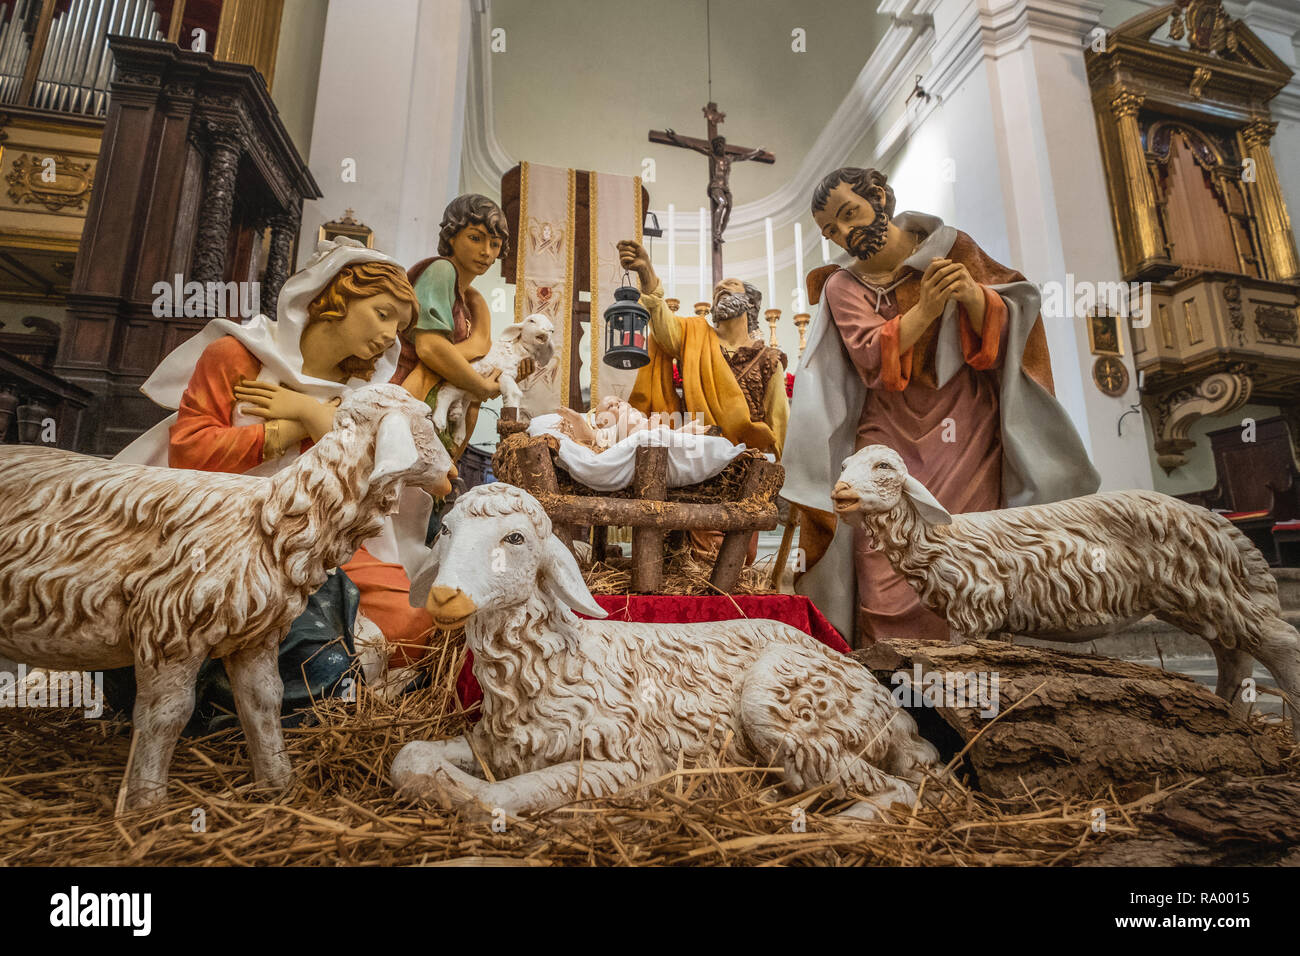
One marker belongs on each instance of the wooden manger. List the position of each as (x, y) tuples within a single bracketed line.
[(738, 501)]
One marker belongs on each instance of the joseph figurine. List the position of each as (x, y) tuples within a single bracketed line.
[(926, 344)]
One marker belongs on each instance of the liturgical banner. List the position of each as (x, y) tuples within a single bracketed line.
[(615, 214), (544, 275)]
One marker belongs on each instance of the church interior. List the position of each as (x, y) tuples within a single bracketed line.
[(1108, 185)]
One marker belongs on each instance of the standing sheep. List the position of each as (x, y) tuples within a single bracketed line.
[(104, 564), (530, 338), (1079, 569), (575, 708)]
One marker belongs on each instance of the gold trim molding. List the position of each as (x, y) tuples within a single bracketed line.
[(68, 189), (249, 32), (1222, 79)]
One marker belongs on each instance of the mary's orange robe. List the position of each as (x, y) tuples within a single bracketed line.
[(205, 438)]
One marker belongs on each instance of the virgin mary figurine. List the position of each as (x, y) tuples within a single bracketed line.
[(251, 397)]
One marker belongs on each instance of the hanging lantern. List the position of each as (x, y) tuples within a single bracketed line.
[(626, 326)]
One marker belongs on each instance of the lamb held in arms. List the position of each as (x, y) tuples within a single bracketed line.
[(529, 339)]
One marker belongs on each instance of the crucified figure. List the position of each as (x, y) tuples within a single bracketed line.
[(721, 156), (719, 190)]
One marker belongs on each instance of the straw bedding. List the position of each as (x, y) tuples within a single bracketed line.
[(683, 574), (59, 776)]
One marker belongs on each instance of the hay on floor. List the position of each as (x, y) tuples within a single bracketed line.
[(60, 773)]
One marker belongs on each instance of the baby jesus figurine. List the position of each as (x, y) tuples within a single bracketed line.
[(612, 420)]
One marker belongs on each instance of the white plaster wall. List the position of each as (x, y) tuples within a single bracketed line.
[(391, 98), (297, 67), (1085, 232)]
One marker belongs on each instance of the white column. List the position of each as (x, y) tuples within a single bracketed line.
[(1277, 23), (391, 99), (1030, 186)]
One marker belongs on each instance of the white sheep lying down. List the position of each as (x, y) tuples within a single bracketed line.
[(104, 565), (606, 706), (1078, 569), (530, 338)]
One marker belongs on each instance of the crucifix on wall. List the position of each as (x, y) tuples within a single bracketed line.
[(721, 155)]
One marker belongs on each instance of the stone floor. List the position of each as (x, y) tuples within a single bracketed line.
[(1204, 669)]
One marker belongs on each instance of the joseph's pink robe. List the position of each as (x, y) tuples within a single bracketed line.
[(949, 437)]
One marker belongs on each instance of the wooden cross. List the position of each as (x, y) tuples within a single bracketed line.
[(721, 155)]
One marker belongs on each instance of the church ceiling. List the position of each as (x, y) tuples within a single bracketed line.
[(587, 94)]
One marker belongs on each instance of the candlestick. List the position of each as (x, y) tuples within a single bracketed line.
[(702, 308), (771, 261), (672, 250), (801, 323), (798, 262), (773, 316), (704, 254), (673, 305)]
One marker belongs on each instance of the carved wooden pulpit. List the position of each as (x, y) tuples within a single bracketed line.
[(196, 168)]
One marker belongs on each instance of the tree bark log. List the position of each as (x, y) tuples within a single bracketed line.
[(1074, 723), (731, 553)]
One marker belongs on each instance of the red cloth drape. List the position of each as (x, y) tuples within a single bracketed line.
[(792, 609)]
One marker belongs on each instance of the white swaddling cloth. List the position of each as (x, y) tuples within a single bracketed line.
[(691, 458)]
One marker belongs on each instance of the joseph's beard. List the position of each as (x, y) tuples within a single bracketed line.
[(865, 241), (728, 306)]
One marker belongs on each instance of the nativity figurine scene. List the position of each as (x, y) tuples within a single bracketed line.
[(302, 456), (415, 552)]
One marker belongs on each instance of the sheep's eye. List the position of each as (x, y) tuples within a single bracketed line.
[(444, 530), (514, 537)]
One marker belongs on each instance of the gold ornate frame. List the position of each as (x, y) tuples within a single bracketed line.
[(1223, 79)]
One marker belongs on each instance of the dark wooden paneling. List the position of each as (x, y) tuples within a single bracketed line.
[(166, 109)]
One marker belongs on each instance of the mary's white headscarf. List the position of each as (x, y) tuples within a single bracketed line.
[(276, 343)]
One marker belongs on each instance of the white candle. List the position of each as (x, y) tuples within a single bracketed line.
[(826, 251), (771, 264), (672, 253), (798, 265), (704, 256)]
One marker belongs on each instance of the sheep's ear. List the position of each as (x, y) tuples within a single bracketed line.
[(512, 332), (394, 447), (926, 504), (563, 579), (423, 580)]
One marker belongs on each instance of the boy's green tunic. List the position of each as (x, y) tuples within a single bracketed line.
[(442, 310)]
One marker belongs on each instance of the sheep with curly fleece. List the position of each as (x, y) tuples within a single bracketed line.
[(1078, 569), (104, 565), (586, 708), (529, 338)]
